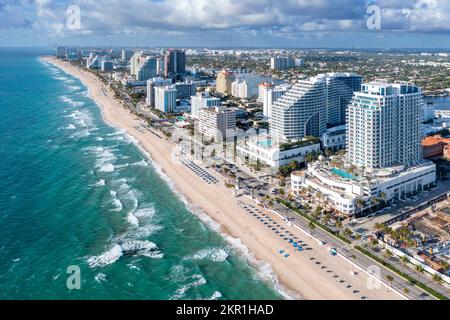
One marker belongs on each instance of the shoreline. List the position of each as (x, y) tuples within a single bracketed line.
[(216, 203)]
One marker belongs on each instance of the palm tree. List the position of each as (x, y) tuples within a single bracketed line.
[(389, 279), (375, 202), (404, 260), (437, 278), (387, 255), (360, 204), (444, 266), (378, 226), (311, 226), (420, 269), (325, 219)]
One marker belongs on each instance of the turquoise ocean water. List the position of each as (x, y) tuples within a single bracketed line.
[(75, 191)]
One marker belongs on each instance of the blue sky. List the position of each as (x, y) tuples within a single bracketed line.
[(250, 23)]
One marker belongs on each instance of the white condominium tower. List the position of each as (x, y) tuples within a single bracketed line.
[(239, 89), (340, 88), (134, 62), (300, 112), (268, 93), (218, 122), (203, 100), (281, 63), (146, 69), (166, 99), (307, 108), (384, 125)]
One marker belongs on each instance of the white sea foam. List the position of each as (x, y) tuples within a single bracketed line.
[(108, 167), (145, 213), (74, 88), (180, 292), (99, 139), (100, 183), (106, 258), (128, 248), (81, 118), (118, 206), (131, 218), (81, 134), (71, 102), (213, 254), (141, 163), (216, 295), (101, 277), (133, 267), (70, 127)]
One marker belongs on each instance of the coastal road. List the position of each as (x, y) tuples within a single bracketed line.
[(349, 252)]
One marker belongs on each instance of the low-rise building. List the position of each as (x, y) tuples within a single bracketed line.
[(343, 189), (265, 152), (297, 182), (433, 146), (334, 138)]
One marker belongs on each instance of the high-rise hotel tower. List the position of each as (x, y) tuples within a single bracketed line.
[(384, 125), (310, 105)]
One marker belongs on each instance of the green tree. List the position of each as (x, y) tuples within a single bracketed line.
[(387, 255), (404, 261), (437, 278), (311, 227), (420, 270), (390, 279), (360, 204)]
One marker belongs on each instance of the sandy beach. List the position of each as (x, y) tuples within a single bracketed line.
[(323, 277)]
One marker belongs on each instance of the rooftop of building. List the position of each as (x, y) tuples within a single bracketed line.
[(435, 140)]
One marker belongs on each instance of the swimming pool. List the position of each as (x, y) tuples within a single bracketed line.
[(344, 174)]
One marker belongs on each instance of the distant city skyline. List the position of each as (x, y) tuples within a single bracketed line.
[(228, 23)]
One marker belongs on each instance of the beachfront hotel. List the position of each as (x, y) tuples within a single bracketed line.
[(217, 123), (311, 105), (262, 150), (202, 100), (384, 157), (134, 62), (146, 69), (384, 125), (166, 99), (151, 85)]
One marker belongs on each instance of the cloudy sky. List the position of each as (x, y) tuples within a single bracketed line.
[(250, 23)]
